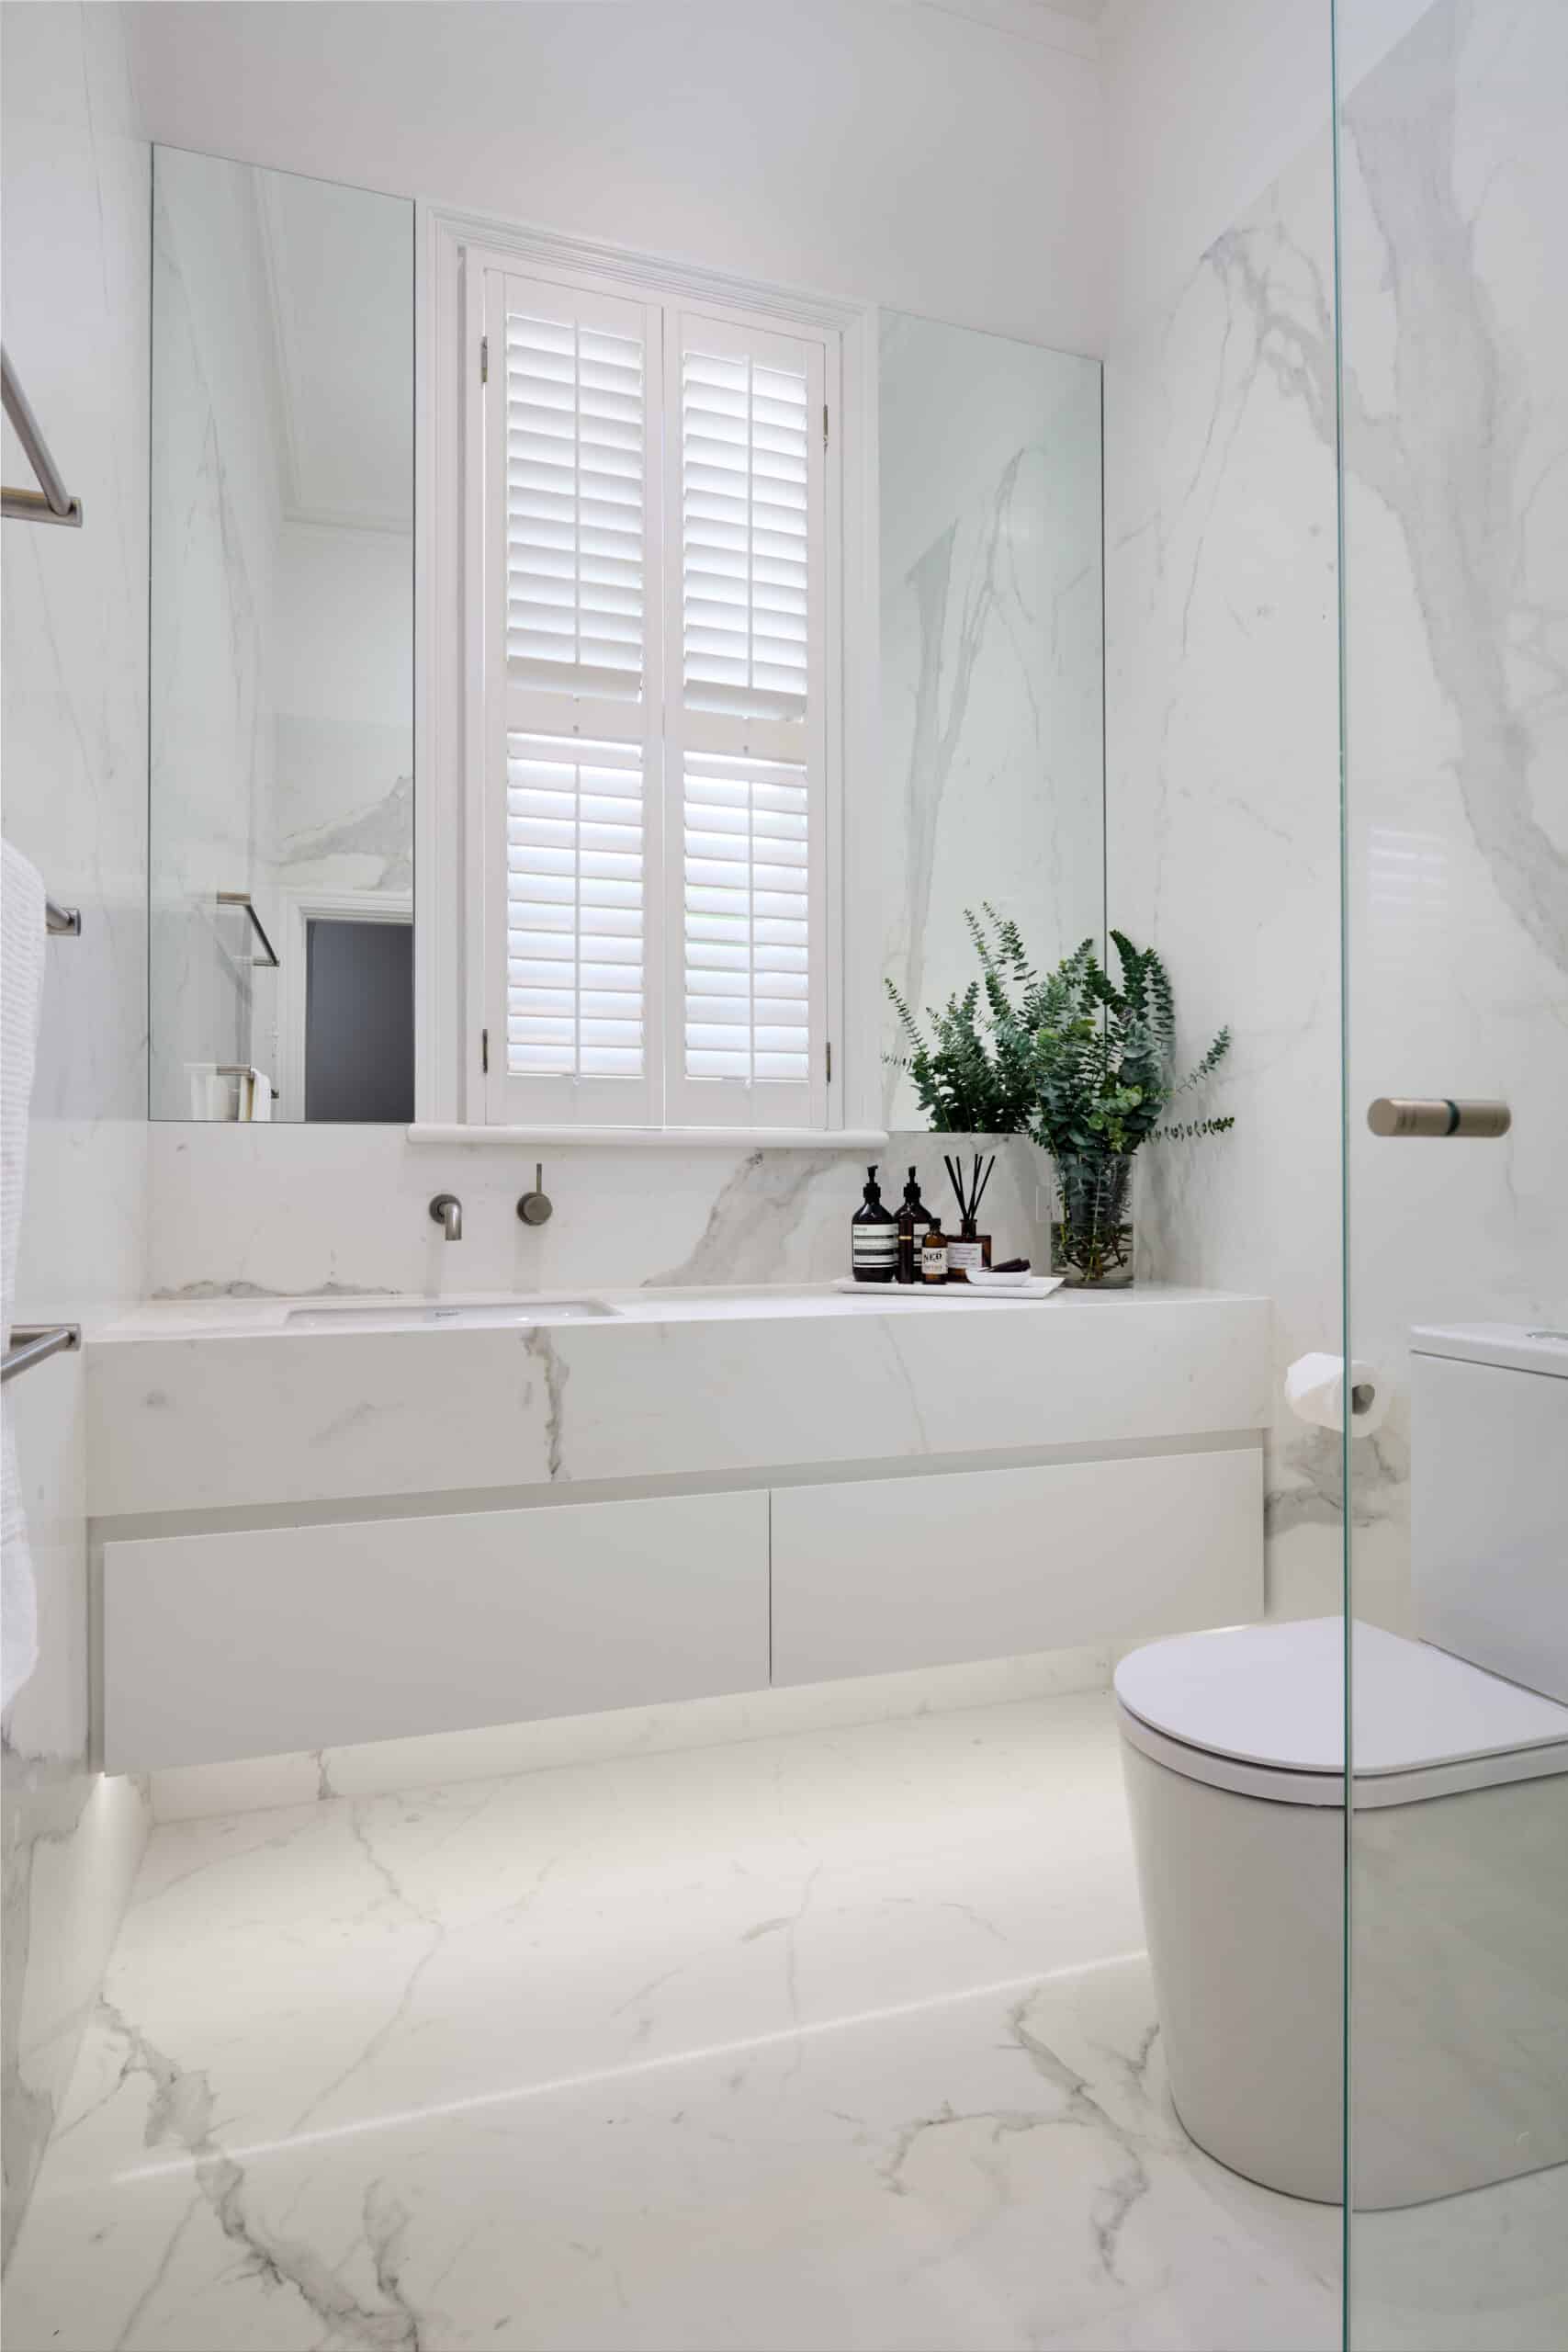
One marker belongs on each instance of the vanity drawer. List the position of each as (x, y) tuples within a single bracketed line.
[(889, 1573), (225, 1646)]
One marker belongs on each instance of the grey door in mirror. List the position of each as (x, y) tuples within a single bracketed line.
[(536, 1207)]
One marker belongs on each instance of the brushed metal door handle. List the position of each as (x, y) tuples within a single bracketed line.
[(1439, 1116)]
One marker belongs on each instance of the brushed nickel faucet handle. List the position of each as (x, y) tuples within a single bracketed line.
[(447, 1211), (536, 1207)]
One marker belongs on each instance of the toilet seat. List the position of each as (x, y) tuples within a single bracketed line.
[(1259, 1709)]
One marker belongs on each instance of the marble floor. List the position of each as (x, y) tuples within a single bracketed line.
[(837, 2041)]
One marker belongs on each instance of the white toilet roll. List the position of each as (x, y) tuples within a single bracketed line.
[(1315, 1391)]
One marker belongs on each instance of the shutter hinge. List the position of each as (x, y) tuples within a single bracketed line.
[(827, 1058), (484, 1051), (824, 425), (484, 359)]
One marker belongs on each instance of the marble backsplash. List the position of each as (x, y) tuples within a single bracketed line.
[(242, 1211)]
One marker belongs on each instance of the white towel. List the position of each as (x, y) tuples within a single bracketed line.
[(22, 934), (261, 1095)]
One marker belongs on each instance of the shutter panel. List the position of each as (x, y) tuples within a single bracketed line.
[(576, 435), (747, 930), (745, 527), (574, 909), (658, 598)]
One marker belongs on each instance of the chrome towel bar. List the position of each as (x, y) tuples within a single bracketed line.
[(52, 502), (269, 962), (61, 923), (35, 1343)]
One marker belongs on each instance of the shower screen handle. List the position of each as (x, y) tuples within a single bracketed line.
[(1406, 1115)]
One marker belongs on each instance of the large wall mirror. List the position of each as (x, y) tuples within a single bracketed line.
[(992, 702), (281, 843)]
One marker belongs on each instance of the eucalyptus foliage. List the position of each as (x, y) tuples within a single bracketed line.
[(1080, 1063), (973, 1074)]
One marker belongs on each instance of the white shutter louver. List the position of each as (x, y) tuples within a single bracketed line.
[(745, 920), (574, 909), (575, 434), (744, 536)]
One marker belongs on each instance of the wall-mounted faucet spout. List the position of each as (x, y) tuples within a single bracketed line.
[(447, 1211)]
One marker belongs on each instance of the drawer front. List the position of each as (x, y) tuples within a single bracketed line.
[(217, 1646), (889, 1573)]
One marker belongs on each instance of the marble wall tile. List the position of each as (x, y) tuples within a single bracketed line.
[(74, 721), (991, 652), (297, 1210), (1455, 322), (1455, 326), (1223, 680), (1222, 753)]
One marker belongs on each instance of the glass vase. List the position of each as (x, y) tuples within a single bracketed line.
[(1091, 1219)]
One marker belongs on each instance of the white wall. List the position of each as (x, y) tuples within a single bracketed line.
[(903, 154), (75, 323)]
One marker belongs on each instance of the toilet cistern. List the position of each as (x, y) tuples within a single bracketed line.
[(447, 1211)]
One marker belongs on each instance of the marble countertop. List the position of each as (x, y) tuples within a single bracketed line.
[(218, 1405), (271, 1314)]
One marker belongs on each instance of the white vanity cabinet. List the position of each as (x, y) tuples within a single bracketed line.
[(282, 1639), (872, 1575), (306, 1539)]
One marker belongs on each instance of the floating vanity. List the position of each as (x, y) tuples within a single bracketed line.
[(324, 1521)]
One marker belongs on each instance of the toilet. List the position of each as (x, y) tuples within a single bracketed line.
[(1233, 1744)]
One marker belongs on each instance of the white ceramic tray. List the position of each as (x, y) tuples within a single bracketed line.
[(1037, 1286)]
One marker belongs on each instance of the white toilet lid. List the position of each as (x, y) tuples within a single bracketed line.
[(1272, 1697)]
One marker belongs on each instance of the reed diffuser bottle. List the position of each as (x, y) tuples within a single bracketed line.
[(969, 1250)]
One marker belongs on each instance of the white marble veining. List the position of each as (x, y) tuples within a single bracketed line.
[(1222, 685), (835, 2041), (75, 271), (204, 1417), (1455, 326), (230, 1219), (991, 651)]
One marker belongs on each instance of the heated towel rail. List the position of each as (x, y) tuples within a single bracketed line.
[(52, 501), (35, 1343)]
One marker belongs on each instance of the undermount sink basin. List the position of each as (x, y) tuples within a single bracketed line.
[(518, 1314)]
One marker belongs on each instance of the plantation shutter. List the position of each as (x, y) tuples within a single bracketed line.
[(745, 1019), (572, 687), (658, 599), (574, 909), (745, 525)]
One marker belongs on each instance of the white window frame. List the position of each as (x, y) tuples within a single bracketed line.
[(458, 1029)]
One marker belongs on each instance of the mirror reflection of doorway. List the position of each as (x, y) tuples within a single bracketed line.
[(358, 1019)]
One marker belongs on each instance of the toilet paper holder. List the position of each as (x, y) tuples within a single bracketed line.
[(1329, 1393)]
